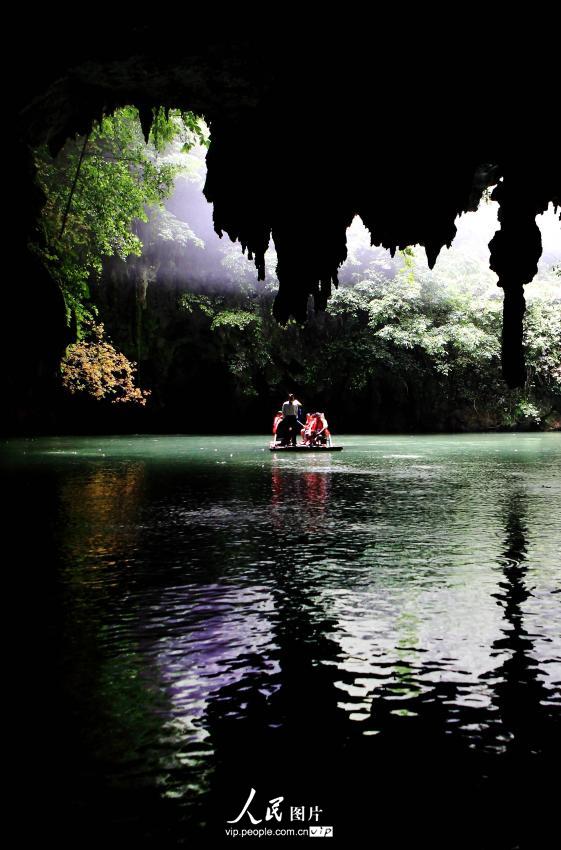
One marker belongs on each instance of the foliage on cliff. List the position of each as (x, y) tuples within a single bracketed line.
[(99, 188), (427, 340), (97, 191), (93, 369)]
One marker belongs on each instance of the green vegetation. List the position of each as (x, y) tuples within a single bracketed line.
[(405, 347), (430, 339), (98, 189)]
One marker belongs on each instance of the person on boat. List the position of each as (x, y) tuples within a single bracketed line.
[(323, 433), (290, 411), (305, 433), (315, 431), (278, 431)]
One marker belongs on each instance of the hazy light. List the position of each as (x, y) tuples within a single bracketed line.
[(221, 263)]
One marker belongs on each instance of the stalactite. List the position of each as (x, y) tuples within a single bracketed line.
[(146, 117), (515, 251)]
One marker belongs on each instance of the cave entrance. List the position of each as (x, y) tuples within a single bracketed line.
[(152, 291)]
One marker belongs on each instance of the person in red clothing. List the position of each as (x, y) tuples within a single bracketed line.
[(277, 427), (325, 433), (305, 433), (278, 418), (319, 429), (315, 431)]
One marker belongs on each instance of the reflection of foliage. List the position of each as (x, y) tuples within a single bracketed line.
[(93, 201), (96, 370)]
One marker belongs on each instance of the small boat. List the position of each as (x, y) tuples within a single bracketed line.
[(273, 448), (315, 435)]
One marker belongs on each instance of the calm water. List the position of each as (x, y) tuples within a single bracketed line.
[(376, 633)]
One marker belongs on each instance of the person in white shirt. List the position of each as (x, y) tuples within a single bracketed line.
[(290, 418)]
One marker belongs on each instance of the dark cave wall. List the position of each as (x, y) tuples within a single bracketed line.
[(34, 328)]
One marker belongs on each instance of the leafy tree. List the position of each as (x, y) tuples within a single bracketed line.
[(98, 188), (431, 333), (94, 369)]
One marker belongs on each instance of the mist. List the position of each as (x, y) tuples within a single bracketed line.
[(183, 248)]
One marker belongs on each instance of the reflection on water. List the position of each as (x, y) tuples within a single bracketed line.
[(100, 513), (520, 694), (376, 633), (304, 490)]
